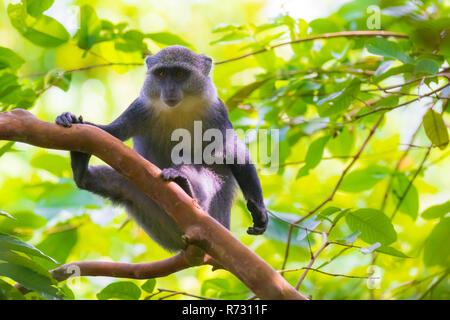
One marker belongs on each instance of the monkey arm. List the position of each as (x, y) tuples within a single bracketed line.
[(123, 128), (128, 123), (247, 179)]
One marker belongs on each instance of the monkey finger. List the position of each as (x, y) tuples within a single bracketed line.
[(256, 230), (62, 121)]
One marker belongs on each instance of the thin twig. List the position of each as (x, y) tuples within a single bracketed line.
[(397, 167), (434, 285), (333, 192), (94, 66), (313, 259), (357, 117), (324, 272), (174, 293), (403, 196), (320, 36)]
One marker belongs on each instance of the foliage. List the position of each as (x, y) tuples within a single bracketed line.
[(363, 124)]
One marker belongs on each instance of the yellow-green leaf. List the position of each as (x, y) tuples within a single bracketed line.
[(435, 129)]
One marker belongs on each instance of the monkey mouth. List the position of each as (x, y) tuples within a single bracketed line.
[(171, 102)]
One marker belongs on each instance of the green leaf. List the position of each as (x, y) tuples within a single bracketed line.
[(167, 38), (437, 211), (149, 285), (52, 163), (36, 7), (8, 242), (410, 203), (8, 292), (59, 245), (339, 101), (244, 92), (233, 37), (388, 49), (123, 290), (132, 40), (22, 220), (392, 252), (329, 211), (10, 59), (342, 144), (214, 287), (16, 259), (90, 28), (59, 79), (313, 155), (427, 66), (6, 147), (28, 278), (435, 129), (279, 229), (437, 250), (373, 225), (363, 179), (43, 31)]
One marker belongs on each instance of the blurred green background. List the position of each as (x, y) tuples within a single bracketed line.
[(294, 85)]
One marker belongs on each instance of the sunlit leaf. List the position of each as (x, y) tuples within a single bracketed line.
[(313, 155), (28, 278), (59, 244), (43, 30), (437, 250), (10, 59), (168, 39), (124, 290), (388, 49), (391, 251), (36, 7), (363, 179), (244, 92), (8, 292), (89, 27), (435, 129), (8, 242), (436, 211), (214, 287), (373, 225), (6, 147), (410, 200), (149, 285)]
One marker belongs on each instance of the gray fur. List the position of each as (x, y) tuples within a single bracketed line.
[(150, 122)]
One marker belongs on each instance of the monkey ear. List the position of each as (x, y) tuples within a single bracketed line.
[(207, 64), (148, 61)]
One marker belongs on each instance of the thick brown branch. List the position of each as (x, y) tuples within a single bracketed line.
[(199, 228), (156, 269)]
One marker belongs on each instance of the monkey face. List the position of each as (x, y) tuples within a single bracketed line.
[(175, 73), (171, 82)]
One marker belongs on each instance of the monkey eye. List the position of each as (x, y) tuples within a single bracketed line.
[(180, 74), (161, 73)]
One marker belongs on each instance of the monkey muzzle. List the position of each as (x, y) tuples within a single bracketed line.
[(171, 102)]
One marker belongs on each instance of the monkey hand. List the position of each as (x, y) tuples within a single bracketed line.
[(260, 218), (66, 119)]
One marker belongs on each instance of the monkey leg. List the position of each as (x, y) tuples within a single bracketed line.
[(172, 174)]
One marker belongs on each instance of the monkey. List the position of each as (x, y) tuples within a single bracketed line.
[(177, 92)]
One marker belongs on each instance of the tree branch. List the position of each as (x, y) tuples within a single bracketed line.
[(198, 227), (320, 36)]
